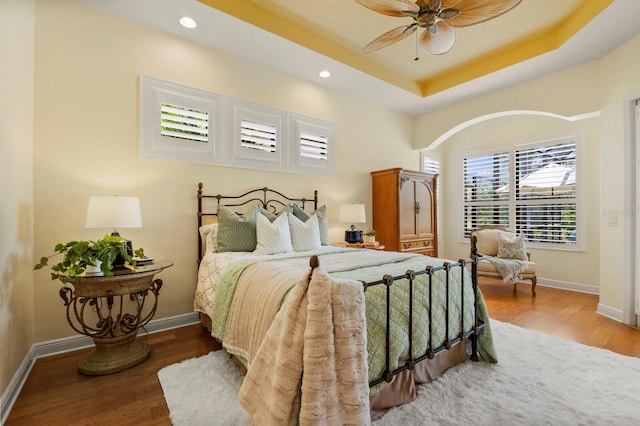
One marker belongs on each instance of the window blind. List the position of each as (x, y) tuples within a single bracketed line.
[(313, 146), (258, 136), (184, 123), (486, 191), (545, 209)]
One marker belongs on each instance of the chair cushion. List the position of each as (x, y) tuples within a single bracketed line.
[(486, 267)]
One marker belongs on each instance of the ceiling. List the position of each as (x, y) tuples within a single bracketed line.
[(303, 37)]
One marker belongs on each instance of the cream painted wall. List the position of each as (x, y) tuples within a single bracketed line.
[(567, 93), (16, 180), (619, 76), (598, 86), (86, 142), (553, 265)]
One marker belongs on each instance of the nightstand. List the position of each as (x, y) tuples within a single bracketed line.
[(110, 311), (358, 245)]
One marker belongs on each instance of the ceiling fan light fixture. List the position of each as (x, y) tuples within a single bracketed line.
[(439, 18), (188, 22)]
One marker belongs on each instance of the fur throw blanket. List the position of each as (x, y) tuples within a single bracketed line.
[(311, 368), (509, 269)]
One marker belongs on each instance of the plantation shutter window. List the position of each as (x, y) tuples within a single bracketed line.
[(312, 147), (430, 165), (545, 193), (258, 136), (184, 123), (486, 202), (532, 190), (180, 123)]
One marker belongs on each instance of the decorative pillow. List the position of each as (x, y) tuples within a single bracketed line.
[(511, 248), (209, 236), (273, 237), (304, 235), (322, 221), (272, 216), (235, 232)]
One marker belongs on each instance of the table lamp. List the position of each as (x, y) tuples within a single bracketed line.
[(352, 213), (113, 211)]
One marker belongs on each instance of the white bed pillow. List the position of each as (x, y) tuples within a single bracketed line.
[(322, 220), (304, 235), (209, 236), (273, 238)]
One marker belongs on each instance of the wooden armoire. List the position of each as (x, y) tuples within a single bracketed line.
[(405, 211)]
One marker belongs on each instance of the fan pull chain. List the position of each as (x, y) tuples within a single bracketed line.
[(416, 58)]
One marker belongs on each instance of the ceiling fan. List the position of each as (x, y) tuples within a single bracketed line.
[(439, 18)]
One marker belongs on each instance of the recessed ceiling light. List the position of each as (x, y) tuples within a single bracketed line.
[(324, 74), (187, 22)]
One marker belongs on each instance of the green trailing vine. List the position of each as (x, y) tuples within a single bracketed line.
[(77, 255)]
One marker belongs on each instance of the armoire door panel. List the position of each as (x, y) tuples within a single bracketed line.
[(424, 216), (408, 219)]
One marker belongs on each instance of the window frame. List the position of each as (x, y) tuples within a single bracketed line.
[(512, 202), (223, 146), (239, 110), (298, 163), (154, 93)]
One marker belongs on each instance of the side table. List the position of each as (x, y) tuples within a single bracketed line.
[(359, 245), (116, 306)]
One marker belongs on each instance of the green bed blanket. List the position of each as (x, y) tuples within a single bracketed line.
[(375, 297)]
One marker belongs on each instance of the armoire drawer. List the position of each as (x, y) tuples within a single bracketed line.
[(416, 245)]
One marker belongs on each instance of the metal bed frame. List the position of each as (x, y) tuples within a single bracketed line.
[(262, 196)]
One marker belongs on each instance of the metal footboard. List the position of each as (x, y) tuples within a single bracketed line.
[(430, 351)]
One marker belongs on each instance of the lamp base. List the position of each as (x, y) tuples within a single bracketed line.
[(120, 261), (353, 236)]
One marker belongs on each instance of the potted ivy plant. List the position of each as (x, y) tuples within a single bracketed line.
[(370, 236), (82, 258)]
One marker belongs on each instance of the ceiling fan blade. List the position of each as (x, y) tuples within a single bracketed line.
[(399, 8), (476, 11), (448, 4), (438, 39), (390, 37)]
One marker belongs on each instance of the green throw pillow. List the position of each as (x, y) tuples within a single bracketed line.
[(322, 221), (235, 232)]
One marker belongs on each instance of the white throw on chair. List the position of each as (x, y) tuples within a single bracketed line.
[(499, 247)]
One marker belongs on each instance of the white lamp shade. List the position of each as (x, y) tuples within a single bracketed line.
[(112, 211), (352, 213)]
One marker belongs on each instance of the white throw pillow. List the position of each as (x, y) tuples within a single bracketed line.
[(304, 235), (209, 236), (273, 238), (511, 248)]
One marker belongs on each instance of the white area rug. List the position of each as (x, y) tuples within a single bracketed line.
[(539, 380)]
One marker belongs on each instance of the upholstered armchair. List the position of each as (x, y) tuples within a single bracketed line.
[(501, 244)]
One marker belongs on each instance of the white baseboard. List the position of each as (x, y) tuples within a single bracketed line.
[(567, 285), (609, 312), (14, 387), (73, 343)]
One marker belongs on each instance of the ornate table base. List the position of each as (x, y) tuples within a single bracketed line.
[(113, 354), (110, 311)]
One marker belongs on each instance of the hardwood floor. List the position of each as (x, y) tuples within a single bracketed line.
[(56, 394), (562, 313)]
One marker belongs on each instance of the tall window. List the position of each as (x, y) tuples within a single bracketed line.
[(531, 190)]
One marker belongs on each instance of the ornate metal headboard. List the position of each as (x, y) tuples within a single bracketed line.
[(268, 198)]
